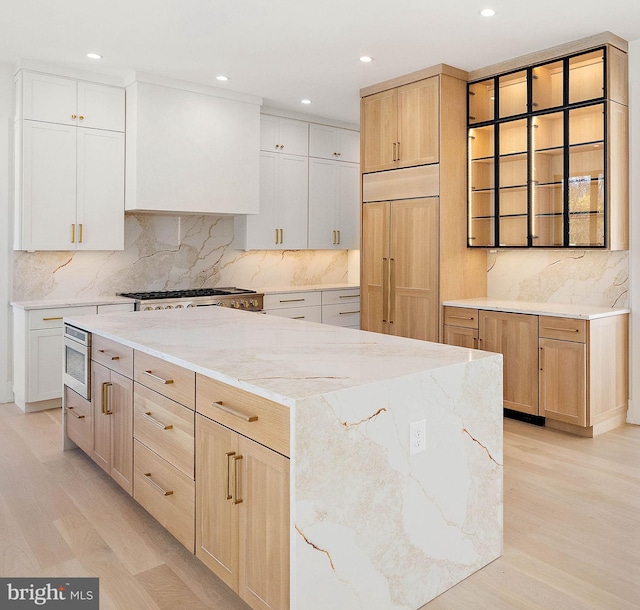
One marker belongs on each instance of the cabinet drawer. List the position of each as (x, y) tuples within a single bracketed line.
[(113, 355), (165, 427), (308, 314), (566, 329), (292, 299), (52, 318), (114, 307), (166, 493), (333, 297), (262, 420), (164, 377), (341, 314), (461, 316), (79, 420)]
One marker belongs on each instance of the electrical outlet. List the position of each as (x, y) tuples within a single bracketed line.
[(417, 437)]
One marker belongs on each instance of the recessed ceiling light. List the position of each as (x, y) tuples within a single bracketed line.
[(305, 101), (94, 56), (222, 77), (487, 12), (365, 59)]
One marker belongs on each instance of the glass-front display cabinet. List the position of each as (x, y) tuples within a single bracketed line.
[(548, 156)]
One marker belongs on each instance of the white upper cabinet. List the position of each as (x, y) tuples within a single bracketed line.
[(334, 143), (286, 136), (191, 152), (56, 99)]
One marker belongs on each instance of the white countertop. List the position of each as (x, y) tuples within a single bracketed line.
[(277, 358), (560, 310), (305, 288), (70, 302)]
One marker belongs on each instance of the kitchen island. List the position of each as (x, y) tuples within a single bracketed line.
[(372, 523)]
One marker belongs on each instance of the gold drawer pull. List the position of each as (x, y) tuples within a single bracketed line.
[(566, 330), (70, 410), (50, 319), (228, 495), (298, 317), (460, 317), (106, 353), (349, 296), (346, 313), (153, 484), (147, 415), (292, 300), (236, 495), (160, 379), (234, 412)]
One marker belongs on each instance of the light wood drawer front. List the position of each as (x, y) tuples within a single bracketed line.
[(292, 299), (164, 426), (341, 314), (334, 297), (155, 477), (113, 355), (79, 420), (169, 379), (52, 318), (461, 316), (270, 426), (565, 329)]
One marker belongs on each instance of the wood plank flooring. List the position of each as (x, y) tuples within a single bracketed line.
[(571, 516)]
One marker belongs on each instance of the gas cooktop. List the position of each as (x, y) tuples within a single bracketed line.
[(185, 294)]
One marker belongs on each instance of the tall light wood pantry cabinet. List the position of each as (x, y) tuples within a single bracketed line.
[(413, 239)]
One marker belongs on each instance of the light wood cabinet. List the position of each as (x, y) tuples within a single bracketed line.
[(112, 399), (78, 420), (400, 126), (400, 268)]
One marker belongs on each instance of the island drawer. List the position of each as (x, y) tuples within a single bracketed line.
[(168, 379), (565, 329), (461, 316), (165, 427), (52, 317), (113, 355), (79, 420), (258, 418), (292, 299), (347, 295), (166, 493)]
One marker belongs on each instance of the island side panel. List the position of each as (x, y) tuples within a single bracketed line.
[(377, 529)]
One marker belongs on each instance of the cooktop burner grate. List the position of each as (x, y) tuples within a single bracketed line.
[(185, 294)]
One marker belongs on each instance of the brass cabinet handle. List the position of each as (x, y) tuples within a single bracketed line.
[(160, 379), (394, 152), (398, 149), (277, 236), (452, 317), (50, 319), (106, 398), (566, 330), (148, 479), (292, 300), (231, 411), (70, 410), (334, 238), (349, 296), (346, 313), (80, 230), (541, 358), (475, 343), (81, 118), (338, 236), (392, 289), (73, 234), (236, 499), (228, 494), (74, 116), (298, 317), (106, 353), (385, 290), (282, 231), (147, 415)]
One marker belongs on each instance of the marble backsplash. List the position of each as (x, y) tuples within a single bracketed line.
[(171, 252), (589, 277)]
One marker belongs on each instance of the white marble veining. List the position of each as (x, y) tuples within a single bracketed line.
[(560, 310), (170, 252), (582, 277), (372, 527), (71, 302)]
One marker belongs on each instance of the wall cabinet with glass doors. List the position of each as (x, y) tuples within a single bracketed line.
[(548, 154)]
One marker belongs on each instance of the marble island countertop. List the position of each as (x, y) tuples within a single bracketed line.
[(277, 358), (305, 288), (560, 310)]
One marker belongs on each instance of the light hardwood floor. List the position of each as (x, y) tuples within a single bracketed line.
[(572, 526)]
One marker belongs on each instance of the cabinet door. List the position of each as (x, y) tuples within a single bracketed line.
[(100, 106), (261, 229), (515, 336), (78, 419), (349, 145), (216, 514), (323, 201), (100, 190), (375, 266), (418, 131), (293, 201), (100, 381), (334, 143), (284, 135), (379, 125), (45, 364), (264, 527), (348, 206), (563, 366), (120, 406), (413, 269), (462, 337), (48, 98), (48, 187)]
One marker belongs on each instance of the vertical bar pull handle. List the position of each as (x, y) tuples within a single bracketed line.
[(80, 233), (236, 485), (277, 234), (338, 236), (542, 359), (385, 301), (73, 233), (229, 454)]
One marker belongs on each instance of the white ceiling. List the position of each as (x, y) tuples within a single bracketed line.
[(286, 50)]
